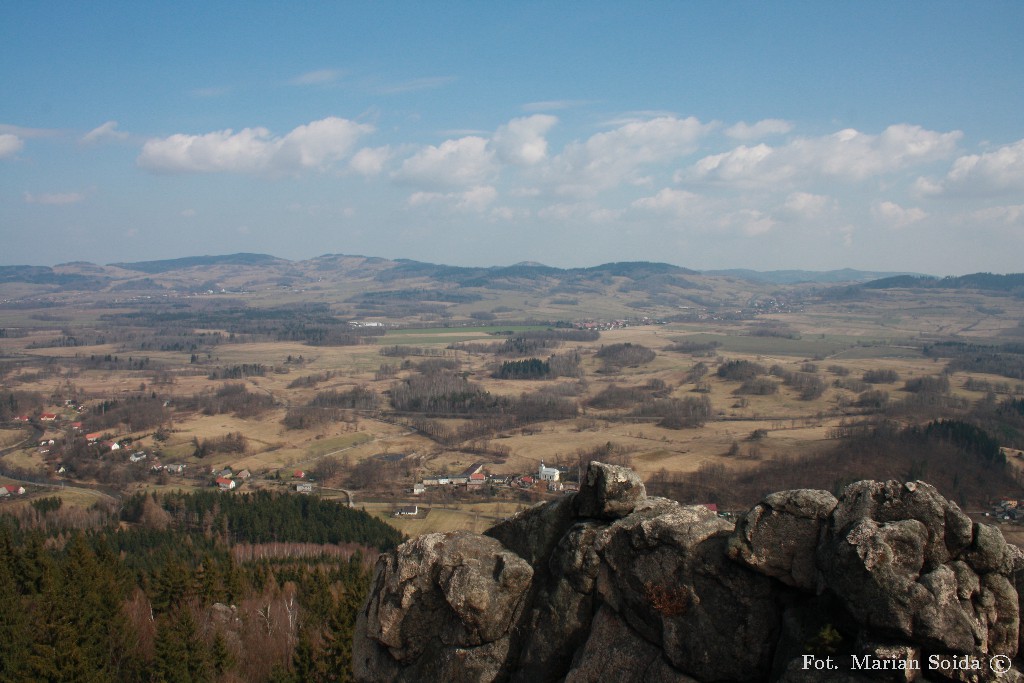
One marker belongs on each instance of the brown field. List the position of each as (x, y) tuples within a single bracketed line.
[(886, 332), (476, 517)]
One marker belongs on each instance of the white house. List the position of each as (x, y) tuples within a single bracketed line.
[(547, 473)]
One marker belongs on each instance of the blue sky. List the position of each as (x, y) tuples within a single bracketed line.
[(874, 135)]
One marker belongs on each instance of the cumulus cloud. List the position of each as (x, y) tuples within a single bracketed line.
[(460, 162), (370, 161), (102, 133), (806, 205), (521, 141), (992, 173), (679, 203), (55, 198), (763, 128), (1012, 215), (315, 145), (10, 145), (847, 153), (897, 216), (617, 156), (742, 163)]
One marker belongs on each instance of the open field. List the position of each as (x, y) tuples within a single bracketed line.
[(172, 371), (476, 517)]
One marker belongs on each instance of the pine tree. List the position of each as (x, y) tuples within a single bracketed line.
[(181, 654), (220, 654), (340, 631), (15, 628)]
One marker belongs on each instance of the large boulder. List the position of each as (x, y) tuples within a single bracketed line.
[(610, 584), (442, 605), (907, 563), (664, 569), (779, 536), (609, 492)]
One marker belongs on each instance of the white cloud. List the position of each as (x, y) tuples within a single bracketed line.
[(10, 145), (464, 161), (188, 213), (679, 203), (806, 205), (847, 153), (370, 161), (638, 116), (315, 145), (521, 141), (1012, 215), (897, 216), (320, 143), (54, 198), (742, 163), (103, 132), (991, 173), (763, 128), (614, 157)]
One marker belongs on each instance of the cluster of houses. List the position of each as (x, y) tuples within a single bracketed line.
[(227, 480), (53, 417), (12, 490), (177, 468), (1008, 510), (475, 478)]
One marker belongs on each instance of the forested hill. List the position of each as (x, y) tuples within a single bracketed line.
[(163, 266), (184, 587), (1012, 282)]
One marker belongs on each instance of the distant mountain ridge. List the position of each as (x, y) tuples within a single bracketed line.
[(373, 284), (793, 277), (163, 266)]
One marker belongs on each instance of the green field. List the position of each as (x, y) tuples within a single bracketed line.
[(322, 447)]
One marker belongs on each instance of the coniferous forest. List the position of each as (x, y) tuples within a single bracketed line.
[(184, 587)]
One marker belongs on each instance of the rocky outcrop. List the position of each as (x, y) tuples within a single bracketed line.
[(889, 581)]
